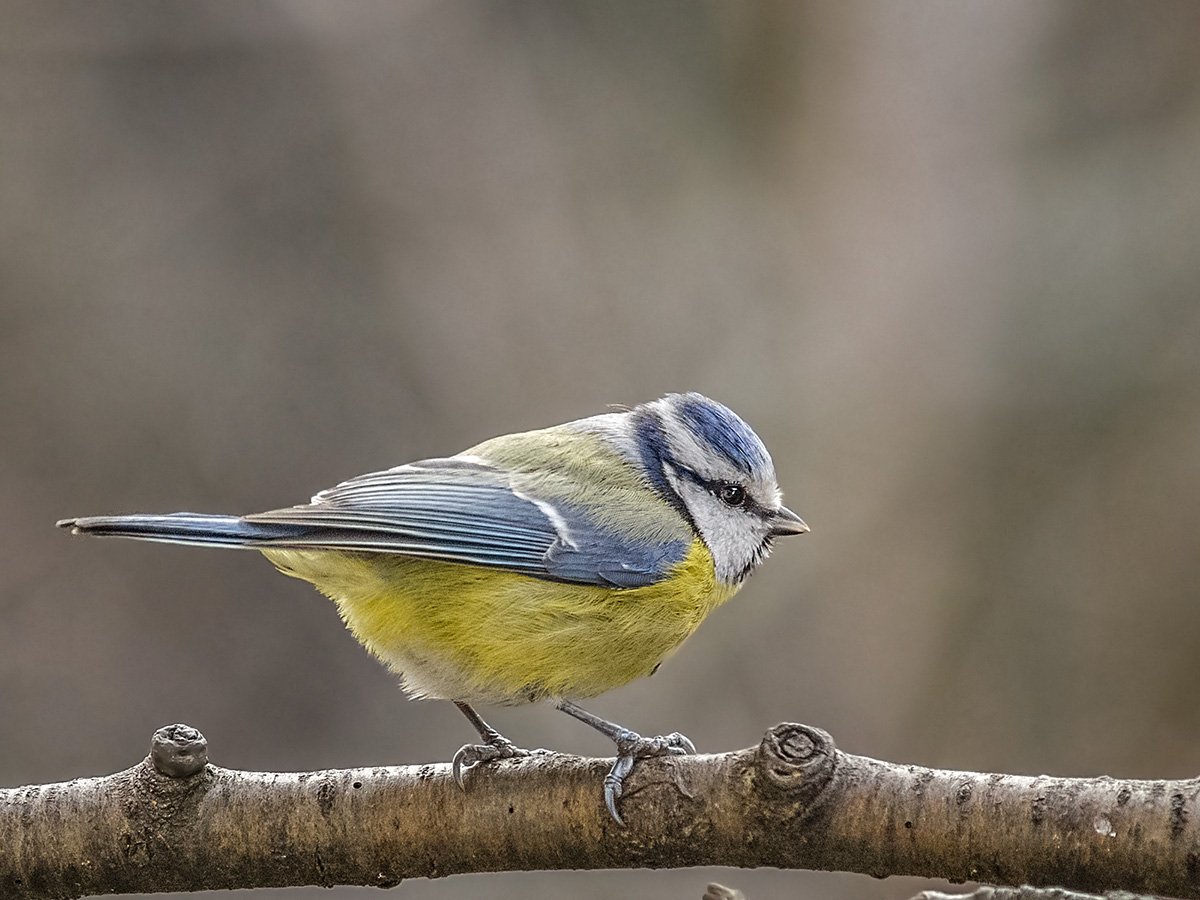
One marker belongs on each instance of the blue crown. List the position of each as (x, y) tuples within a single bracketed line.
[(724, 431)]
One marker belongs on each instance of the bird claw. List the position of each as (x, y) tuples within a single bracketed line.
[(472, 755), (631, 747)]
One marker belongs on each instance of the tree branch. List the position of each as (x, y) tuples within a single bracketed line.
[(1026, 892), (174, 823)]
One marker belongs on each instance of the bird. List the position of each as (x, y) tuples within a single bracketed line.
[(548, 565)]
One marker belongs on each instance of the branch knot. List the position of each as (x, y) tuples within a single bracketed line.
[(798, 760), (178, 751)]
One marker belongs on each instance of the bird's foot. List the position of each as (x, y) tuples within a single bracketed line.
[(472, 755), (631, 747)]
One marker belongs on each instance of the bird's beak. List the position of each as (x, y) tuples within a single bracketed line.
[(784, 521)]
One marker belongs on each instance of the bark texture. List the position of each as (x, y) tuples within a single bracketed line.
[(175, 823)]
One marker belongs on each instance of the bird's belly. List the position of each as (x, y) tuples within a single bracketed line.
[(460, 632)]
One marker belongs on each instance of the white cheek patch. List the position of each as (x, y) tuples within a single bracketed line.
[(733, 537)]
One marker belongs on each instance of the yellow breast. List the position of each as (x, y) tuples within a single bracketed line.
[(458, 632)]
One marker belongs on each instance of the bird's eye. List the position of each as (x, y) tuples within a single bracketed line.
[(731, 494)]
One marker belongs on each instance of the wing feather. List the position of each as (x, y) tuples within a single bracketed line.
[(467, 511)]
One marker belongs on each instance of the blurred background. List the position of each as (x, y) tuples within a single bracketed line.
[(944, 257)]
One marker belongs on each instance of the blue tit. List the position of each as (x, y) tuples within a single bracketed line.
[(548, 565)]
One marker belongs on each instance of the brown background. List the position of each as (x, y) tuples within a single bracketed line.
[(943, 256)]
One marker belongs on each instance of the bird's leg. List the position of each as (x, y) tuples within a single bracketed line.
[(495, 745), (631, 747)]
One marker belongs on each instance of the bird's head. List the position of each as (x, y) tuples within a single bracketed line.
[(715, 470)]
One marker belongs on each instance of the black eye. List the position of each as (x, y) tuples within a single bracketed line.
[(731, 494)]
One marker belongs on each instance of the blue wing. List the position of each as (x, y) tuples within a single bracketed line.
[(466, 511)]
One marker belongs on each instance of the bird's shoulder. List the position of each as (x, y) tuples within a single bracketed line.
[(585, 470)]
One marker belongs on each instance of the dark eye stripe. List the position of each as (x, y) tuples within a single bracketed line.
[(716, 486), (730, 494)]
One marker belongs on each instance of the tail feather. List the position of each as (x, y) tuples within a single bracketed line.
[(184, 528)]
